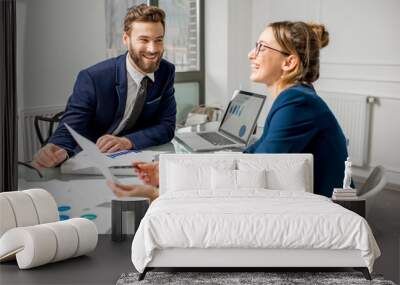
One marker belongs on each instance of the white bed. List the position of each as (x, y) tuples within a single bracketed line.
[(202, 219)]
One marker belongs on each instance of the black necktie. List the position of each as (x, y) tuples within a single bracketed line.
[(140, 99)]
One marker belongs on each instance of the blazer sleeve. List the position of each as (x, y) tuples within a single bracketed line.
[(254, 146), (291, 128), (164, 128), (78, 114)]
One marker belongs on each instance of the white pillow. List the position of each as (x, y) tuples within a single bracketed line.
[(186, 177), (196, 175), (282, 173), (293, 178), (251, 178), (223, 179)]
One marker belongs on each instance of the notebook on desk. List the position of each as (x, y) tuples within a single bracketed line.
[(235, 129)]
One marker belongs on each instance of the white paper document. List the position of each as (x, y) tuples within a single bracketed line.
[(118, 163), (94, 156)]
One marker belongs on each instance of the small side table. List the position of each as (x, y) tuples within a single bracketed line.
[(356, 205), (137, 205)]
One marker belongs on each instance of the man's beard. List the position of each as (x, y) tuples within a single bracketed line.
[(146, 67)]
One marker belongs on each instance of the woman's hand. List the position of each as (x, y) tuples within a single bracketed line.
[(147, 172), (131, 190)]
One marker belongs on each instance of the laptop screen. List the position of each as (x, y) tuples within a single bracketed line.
[(241, 115)]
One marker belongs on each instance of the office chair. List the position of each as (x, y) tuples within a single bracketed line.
[(51, 120), (375, 183)]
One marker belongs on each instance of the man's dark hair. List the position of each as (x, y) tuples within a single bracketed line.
[(143, 13)]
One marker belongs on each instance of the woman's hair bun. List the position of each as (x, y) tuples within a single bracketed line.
[(321, 32)]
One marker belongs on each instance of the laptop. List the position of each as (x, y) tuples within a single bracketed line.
[(236, 128)]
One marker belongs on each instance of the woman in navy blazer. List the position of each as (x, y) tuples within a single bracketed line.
[(286, 59)]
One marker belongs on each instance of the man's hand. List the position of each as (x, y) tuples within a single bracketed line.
[(132, 190), (110, 143), (49, 156), (147, 172)]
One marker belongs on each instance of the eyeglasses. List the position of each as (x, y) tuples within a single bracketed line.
[(260, 44)]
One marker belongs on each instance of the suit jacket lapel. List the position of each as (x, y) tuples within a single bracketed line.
[(121, 89)]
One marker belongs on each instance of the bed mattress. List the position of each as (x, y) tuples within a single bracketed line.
[(250, 219)]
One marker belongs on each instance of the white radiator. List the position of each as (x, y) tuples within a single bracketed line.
[(353, 114), (30, 141)]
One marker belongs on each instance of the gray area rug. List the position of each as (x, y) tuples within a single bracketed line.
[(225, 278)]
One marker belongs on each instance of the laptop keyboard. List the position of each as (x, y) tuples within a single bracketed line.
[(216, 139)]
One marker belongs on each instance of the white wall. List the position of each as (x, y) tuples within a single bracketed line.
[(61, 38), (216, 48), (363, 57), (240, 44), (227, 42)]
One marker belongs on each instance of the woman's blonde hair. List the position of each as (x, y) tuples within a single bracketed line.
[(303, 40)]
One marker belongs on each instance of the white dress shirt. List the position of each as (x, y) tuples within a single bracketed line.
[(134, 77)]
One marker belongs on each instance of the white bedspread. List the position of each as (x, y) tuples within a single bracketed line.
[(251, 219)]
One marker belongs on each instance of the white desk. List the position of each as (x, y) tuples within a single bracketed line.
[(82, 195)]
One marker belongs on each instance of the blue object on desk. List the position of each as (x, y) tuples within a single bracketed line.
[(64, 217), (64, 208)]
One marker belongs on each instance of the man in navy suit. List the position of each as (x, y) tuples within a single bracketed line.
[(125, 102)]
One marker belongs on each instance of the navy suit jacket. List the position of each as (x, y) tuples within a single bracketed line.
[(97, 105), (300, 122)]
